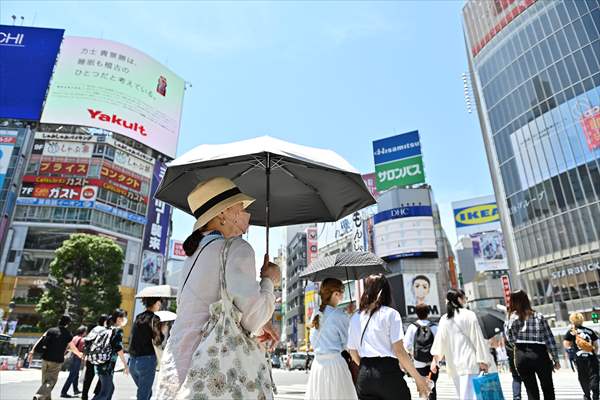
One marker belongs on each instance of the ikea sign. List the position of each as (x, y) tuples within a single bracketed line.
[(476, 215)]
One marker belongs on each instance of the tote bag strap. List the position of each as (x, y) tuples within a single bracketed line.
[(465, 335), (224, 254), (194, 264)]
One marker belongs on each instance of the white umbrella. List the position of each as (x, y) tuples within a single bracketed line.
[(164, 291), (292, 184), (166, 316)]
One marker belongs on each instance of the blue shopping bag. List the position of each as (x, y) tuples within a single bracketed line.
[(487, 387)]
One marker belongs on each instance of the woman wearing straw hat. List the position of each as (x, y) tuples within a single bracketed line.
[(220, 268)]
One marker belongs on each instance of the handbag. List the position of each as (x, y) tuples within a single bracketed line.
[(487, 387), (227, 363)]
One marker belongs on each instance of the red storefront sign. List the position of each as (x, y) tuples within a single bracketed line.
[(68, 182), (63, 168), (506, 288), (178, 249), (590, 121), (53, 191), (8, 139), (120, 177)]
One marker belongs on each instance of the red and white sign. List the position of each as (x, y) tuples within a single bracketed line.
[(590, 121), (506, 288), (370, 180), (8, 139), (312, 251), (63, 168), (177, 251), (53, 191)]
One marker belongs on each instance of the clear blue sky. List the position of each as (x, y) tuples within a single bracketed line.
[(327, 74)]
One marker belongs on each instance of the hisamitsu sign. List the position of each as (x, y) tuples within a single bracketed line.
[(398, 161)]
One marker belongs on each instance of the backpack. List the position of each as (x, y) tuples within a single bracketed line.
[(99, 349), (423, 343), (582, 343)]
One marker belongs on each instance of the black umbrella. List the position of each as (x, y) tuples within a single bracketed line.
[(491, 322), (292, 184), (352, 265)]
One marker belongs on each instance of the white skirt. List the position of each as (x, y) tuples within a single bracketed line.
[(330, 379)]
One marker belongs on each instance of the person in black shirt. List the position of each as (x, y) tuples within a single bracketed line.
[(146, 334), (583, 341), (53, 345), (105, 371)]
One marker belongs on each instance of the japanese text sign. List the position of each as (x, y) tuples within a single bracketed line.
[(109, 85), (159, 215)]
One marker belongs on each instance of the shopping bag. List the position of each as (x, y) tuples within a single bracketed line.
[(487, 387)]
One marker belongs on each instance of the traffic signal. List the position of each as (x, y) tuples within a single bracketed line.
[(595, 316)]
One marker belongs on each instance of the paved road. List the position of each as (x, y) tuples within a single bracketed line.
[(20, 385)]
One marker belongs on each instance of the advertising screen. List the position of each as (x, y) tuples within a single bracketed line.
[(489, 251), (398, 161), (421, 289), (405, 232), (8, 139), (108, 85), (28, 56), (476, 215)]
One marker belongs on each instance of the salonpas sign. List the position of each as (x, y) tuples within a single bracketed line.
[(398, 161), (108, 85)]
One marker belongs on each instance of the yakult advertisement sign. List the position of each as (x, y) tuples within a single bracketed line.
[(108, 85)]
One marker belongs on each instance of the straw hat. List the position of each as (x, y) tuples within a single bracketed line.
[(213, 196)]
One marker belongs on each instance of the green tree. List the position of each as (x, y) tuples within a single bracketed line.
[(84, 280)]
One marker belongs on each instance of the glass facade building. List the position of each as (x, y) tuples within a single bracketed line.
[(535, 68)]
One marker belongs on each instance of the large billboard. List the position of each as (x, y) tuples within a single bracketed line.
[(421, 289), (28, 56), (8, 139), (405, 232), (159, 216), (489, 252), (108, 85), (476, 215), (398, 161)]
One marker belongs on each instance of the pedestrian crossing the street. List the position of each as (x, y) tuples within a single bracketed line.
[(566, 387)]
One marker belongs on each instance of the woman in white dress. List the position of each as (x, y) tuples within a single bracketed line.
[(460, 341), (330, 378), (219, 207)]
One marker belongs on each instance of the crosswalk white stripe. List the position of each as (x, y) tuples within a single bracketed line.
[(566, 387)]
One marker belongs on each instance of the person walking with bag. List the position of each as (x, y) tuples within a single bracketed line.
[(330, 378), (211, 353), (89, 367), (418, 341), (75, 366), (52, 345), (584, 343), (375, 341), (459, 340), (529, 332), (110, 346), (145, 334)]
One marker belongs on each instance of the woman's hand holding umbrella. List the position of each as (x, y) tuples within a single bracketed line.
[(270, 270)]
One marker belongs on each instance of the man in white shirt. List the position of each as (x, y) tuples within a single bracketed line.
[(418, 341)]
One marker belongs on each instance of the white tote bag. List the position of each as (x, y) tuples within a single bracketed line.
[(228, 363)]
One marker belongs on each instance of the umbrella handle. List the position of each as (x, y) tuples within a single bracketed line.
[(268, 202)]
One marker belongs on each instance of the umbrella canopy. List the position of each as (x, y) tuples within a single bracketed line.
[(491, 322), (345, 266), (292, 184), (164, 291), (166, 315)]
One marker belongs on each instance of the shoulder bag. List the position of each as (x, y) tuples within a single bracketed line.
[(227, 363)]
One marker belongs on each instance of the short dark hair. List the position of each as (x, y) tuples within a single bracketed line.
[(150, 301), (118, 313), (64, 321), (82, 330), (102, 319), (422, 278), (422, 311), (377, 294)]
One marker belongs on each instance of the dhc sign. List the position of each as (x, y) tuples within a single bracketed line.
[(476, 215)]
